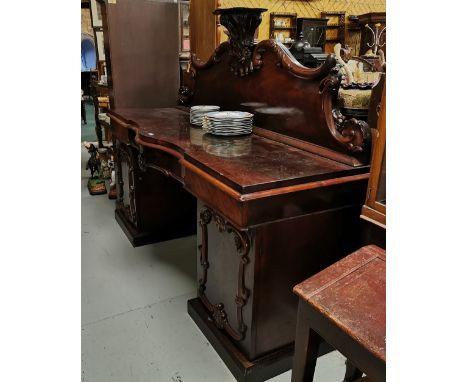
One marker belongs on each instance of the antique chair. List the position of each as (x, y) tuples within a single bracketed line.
[(345, 305)]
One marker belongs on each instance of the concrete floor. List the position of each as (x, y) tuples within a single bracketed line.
[(135, 326)]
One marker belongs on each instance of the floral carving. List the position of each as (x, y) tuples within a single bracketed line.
[(241, 24), (220, 316), (123, 153), (355, 133)]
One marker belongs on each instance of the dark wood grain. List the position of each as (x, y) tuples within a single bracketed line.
[(286, 97), (273, 192), (137, 75), (247, 163)]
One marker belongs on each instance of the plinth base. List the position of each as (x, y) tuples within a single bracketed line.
[(258, 370), (139, 238)]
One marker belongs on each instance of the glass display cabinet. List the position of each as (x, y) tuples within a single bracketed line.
[(283, 27)]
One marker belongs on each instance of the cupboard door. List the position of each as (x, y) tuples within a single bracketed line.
[(125, 166)]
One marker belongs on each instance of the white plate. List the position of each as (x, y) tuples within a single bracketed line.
[(229, 115), (229, 122), (230, 134), (204, 107)]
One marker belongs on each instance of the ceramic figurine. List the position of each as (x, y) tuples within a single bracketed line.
[(104, 158), (93, 164), (96, 185), (112, 185)]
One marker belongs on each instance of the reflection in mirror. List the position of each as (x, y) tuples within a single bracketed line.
[(227, 147)]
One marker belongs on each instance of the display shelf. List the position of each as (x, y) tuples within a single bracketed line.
[(283, 23), (338, 22), (313, 30)]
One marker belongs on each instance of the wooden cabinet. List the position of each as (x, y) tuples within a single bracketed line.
[(283, 27), (335, 26), (204, 32), (141, 41), (142, 45), (377, 22)]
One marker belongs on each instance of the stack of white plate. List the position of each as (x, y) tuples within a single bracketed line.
[(228, 122), (197, 113)]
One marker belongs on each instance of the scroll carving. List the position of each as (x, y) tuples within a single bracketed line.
[(286, 60), (353, 133), (215, 58), (242, 244), (129, 210), (143, 164)]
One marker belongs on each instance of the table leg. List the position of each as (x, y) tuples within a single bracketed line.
[(305, 349), (352, 372)]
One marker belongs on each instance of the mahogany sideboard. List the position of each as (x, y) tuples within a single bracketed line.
[(269, 209)]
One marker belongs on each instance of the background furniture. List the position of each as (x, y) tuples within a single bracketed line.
[(184, 35), (345, 305), (86, 81), (204, 32), (366, 35), (336, 23), (314, 30), (83, 110), (100, 96), (307, 55), (284, 24), (144, 73)]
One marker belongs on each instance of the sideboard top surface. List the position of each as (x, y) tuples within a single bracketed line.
[(246, 163)]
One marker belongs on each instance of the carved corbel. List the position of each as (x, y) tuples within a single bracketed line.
[(353, 133)]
